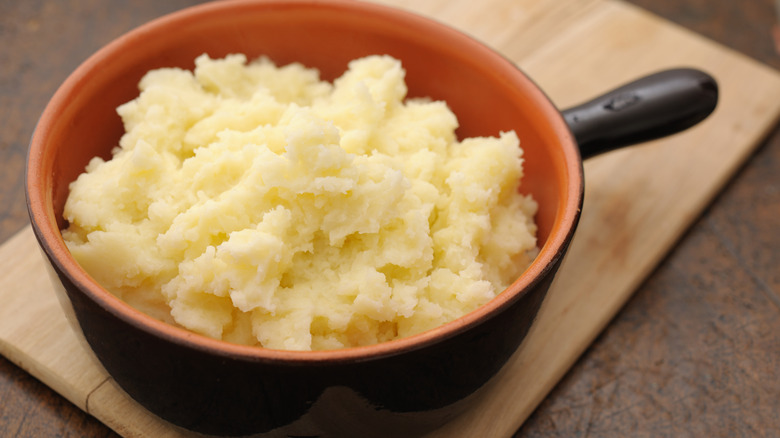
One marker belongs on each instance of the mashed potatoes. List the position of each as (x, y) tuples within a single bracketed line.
[(262, 206)]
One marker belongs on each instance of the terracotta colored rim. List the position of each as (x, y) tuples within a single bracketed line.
[(46, 230)]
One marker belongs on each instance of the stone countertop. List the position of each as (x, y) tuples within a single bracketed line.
[(695, 352)]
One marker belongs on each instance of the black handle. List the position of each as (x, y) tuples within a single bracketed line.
[(652, 107)]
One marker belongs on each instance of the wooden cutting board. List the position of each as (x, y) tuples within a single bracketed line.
[(638, 203)]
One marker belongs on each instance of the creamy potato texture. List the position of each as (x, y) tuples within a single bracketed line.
[(260, 205)]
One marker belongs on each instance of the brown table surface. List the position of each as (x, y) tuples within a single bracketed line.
[(694, 353)]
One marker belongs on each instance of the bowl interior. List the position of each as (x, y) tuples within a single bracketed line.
[(486, 92)]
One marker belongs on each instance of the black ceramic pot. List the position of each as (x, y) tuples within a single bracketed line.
[(399, 388)]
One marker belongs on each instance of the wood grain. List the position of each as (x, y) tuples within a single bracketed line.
[(704, 160)]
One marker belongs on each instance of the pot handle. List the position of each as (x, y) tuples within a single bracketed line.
[(652, 107)]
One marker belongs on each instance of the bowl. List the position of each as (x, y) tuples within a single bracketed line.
[(399, 388)]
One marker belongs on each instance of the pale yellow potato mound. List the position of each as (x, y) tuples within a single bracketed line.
[(262, 206)]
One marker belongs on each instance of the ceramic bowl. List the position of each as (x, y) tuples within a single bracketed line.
[(397, 388)]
